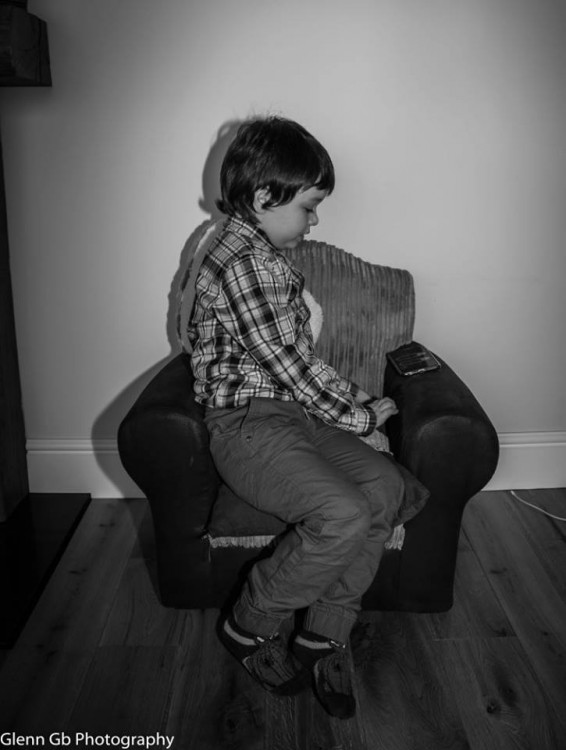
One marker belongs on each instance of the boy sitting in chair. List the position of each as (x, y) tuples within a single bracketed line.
[(284, 426)]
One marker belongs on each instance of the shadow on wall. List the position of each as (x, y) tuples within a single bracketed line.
[(106, 424)]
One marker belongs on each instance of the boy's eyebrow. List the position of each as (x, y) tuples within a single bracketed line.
[(316, 201)]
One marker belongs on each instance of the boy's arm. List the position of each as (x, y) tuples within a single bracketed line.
[(256, 310)]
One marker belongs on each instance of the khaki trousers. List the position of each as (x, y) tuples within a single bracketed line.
[(339, 496)]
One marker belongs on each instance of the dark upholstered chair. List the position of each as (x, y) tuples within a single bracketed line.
[(206, 537)]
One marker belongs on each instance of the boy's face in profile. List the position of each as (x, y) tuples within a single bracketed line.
[(288, 224)]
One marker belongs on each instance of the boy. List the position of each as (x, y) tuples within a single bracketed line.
[(284, 425)]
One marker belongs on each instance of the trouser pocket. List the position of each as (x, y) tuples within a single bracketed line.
[(248, 443)]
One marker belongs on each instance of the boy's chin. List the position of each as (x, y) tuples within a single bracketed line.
[(292, 244)]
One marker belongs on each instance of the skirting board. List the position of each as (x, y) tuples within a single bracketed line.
[(528, 460)]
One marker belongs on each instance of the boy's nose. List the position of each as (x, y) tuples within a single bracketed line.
[(313, 221)]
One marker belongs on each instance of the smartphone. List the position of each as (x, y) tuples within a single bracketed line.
[(412, 359)]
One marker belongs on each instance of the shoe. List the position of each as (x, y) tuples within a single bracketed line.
[(268, 660), (331, 670)]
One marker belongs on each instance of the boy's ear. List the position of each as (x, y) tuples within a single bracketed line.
[(261, 197)]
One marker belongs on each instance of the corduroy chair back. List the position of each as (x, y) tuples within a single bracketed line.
[(368, 310)]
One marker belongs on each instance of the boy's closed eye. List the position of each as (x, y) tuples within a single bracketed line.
[(312, 209)]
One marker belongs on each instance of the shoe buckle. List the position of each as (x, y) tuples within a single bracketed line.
[(259, 639), (337, 644)]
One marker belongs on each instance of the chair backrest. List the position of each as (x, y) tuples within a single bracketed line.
[(368, 310)]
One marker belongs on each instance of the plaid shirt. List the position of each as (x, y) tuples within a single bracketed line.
[(251, 336)]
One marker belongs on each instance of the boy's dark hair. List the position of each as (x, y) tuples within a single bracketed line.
[(273, 153)]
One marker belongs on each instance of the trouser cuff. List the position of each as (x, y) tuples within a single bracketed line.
[(335, 623), (253, 621)]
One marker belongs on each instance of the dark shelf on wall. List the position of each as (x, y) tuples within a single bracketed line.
[(24, 50), (32, 541)]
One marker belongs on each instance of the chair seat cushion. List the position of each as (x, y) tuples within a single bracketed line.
[(233, 518), (235, 523)]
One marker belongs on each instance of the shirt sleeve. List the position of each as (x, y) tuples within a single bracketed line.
[(259, 308)]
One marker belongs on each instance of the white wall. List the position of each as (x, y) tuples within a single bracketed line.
[(446, 124)]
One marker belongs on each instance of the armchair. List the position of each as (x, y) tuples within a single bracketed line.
[(206, 537)]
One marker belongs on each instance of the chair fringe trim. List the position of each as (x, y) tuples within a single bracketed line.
[(397, 538), (395, 541), (249, 542)]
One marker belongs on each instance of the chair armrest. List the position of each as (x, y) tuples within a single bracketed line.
[(163, 445), (441, 434), (444, 437)]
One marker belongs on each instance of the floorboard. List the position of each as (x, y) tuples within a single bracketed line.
[(99, 654), (135, 684), (403, 703), (43, 674), (500, 700), (529, 594)]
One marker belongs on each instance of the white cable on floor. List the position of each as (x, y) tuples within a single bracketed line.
[(546, 513)]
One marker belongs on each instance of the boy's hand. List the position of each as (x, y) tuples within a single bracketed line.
[(384, 409), (377, 440)]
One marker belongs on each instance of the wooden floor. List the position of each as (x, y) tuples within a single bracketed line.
[(101, 656)]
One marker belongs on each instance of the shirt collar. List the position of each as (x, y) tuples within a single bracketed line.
[(250, 231)]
